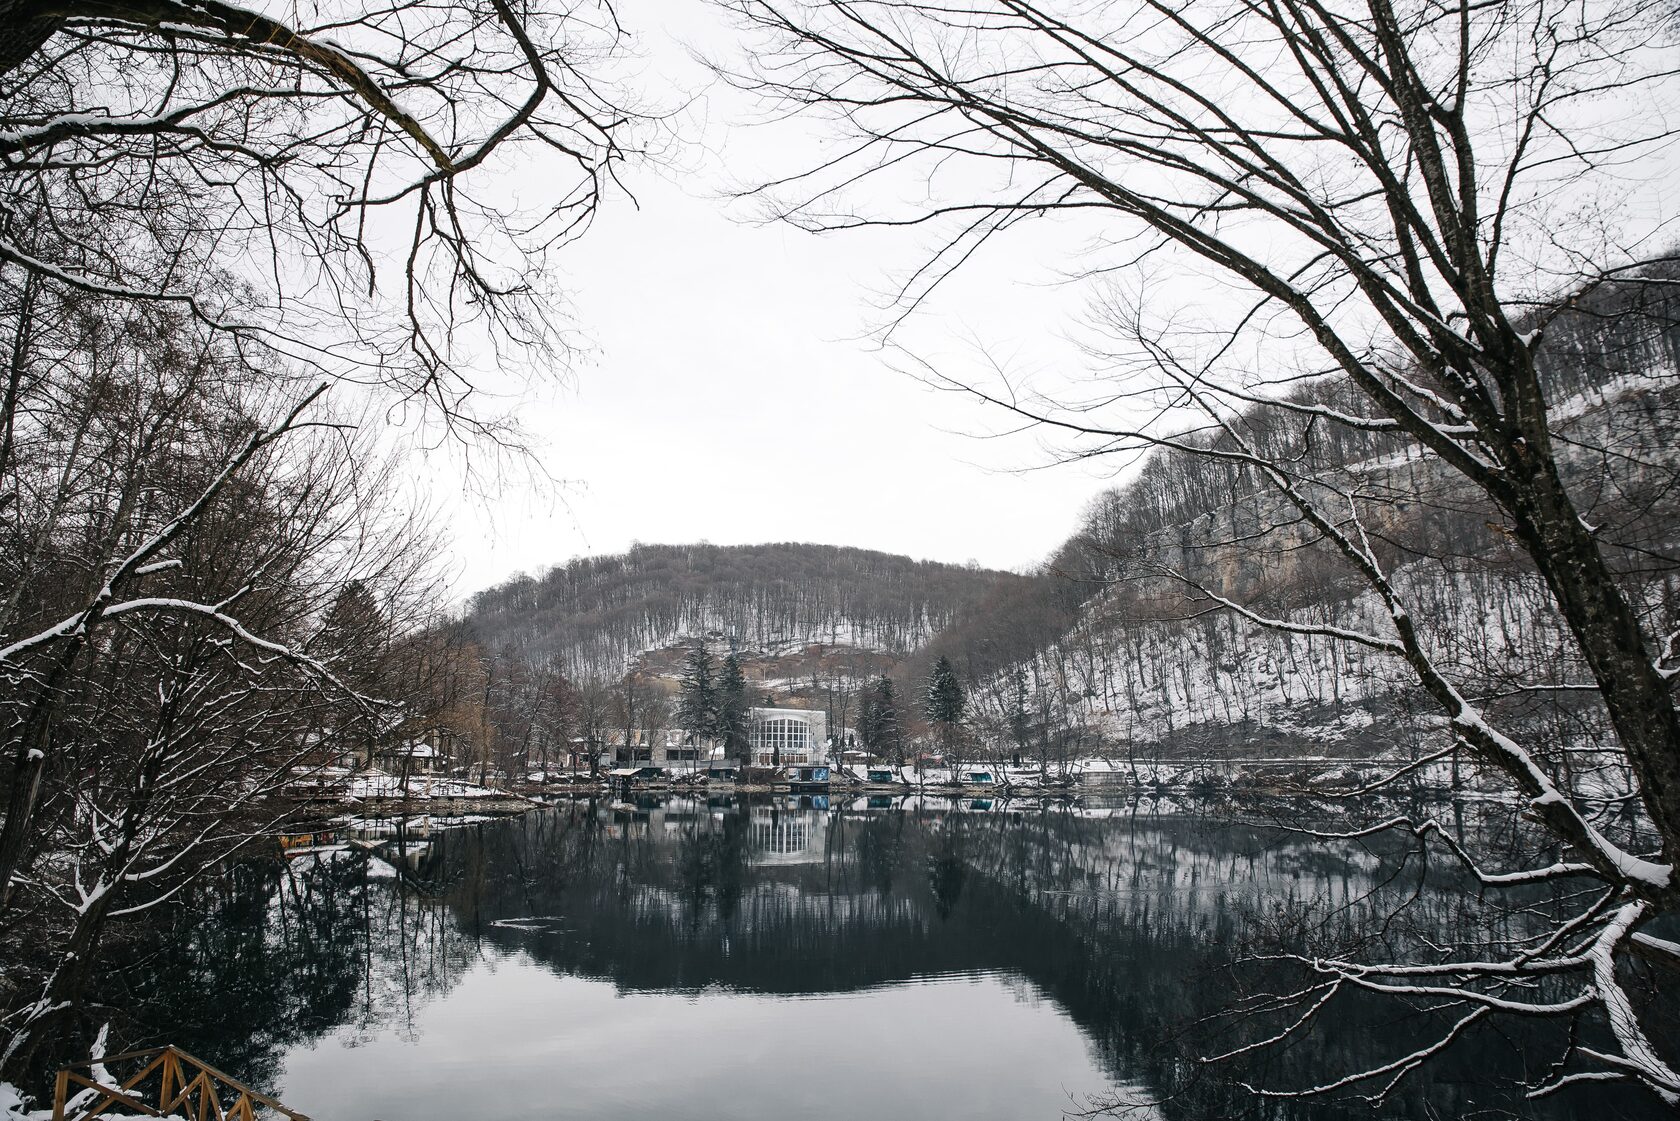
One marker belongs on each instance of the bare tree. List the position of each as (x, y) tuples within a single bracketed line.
[(341, 166), (214, 657), (109, 495), (1364, 221), (656, 715), (594, 719)]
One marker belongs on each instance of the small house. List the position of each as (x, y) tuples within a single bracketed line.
[(415, 757), (1093, 775)]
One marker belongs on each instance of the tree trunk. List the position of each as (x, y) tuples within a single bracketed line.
[(1612, 642), (29, 764)]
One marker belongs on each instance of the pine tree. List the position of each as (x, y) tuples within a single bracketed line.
[(697, 702), (869, 718), (945, 703), (352, 640), (868, 724), (888, 735), (732, 710)]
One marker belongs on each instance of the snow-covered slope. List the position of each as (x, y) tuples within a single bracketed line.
[(595, 614), (1149, 660)]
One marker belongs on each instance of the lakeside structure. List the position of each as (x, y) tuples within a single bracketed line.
[(787, 736), (776, 736)]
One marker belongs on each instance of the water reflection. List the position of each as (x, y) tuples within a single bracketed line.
[(976, 959)]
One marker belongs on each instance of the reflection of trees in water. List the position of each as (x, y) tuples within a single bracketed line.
[(260, 958), (274, 954), (946, 869), (1141, 922), (712, 864), (1129, 922)]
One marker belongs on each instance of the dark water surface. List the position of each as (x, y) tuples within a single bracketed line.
[(679, 959)]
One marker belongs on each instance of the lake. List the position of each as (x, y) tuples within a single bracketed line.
[(789, 958)]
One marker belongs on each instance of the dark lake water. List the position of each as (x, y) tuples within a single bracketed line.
[(679, 960)]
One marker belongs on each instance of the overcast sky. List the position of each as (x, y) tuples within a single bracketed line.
[(730, 394)]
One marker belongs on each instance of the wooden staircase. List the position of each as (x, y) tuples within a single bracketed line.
[(186, 1087)]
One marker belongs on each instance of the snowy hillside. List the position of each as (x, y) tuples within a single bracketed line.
[(595, 614), (1150, 659)]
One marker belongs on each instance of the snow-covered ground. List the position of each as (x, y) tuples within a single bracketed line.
[(378, 784)]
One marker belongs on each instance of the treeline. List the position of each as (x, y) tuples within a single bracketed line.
[(593, 614)]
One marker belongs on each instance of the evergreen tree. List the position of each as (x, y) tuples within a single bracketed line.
[(732, 710), (888, 735), (868, 724), (878, 722), (353, 638), (697, 701), (945, 703)]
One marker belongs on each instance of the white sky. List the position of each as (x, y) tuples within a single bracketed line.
[(729, 395)]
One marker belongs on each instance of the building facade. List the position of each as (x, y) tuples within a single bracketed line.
[(787, 736), (668, 750)]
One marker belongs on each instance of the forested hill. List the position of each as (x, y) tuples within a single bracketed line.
[(1114, 644), (594, 613)]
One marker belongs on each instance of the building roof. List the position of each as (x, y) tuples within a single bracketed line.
[(415, 750)]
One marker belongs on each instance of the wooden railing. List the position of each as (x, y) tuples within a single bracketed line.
[(186, 1087)]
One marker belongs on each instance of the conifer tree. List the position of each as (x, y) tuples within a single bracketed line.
[(732, 710), (945, 703), (697, 704), (889, 738), (868, 724)]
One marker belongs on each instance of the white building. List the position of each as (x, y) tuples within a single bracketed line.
[(787, 736)]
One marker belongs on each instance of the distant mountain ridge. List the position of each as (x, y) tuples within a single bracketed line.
[(594, 614)]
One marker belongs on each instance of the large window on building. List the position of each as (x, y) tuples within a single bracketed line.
[(780, 735)]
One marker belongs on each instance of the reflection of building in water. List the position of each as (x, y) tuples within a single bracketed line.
[(787, 836), (650, 816), (787, 735)]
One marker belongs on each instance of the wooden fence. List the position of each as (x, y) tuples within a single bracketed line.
[(186, 1087)]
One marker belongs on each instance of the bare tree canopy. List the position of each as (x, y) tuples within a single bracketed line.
[(1290, 199), (322, 180), (209, 214), (202, 580)]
